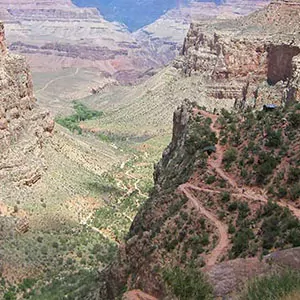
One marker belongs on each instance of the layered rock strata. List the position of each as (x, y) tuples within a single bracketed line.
[(253, 60)]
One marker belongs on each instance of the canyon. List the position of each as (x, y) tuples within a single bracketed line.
[(63, 41), (79, 209)]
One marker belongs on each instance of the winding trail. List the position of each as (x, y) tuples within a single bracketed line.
[(215, 165), (56, 79), (245, 191), (223, 242)]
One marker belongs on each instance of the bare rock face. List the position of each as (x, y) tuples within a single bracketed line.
[(253, 60), (22, 127)]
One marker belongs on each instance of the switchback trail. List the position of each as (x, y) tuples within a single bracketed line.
[(222, 228), (215, 165), (245, 191)]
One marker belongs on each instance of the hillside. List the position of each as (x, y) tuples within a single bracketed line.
[(66, 198), (208, 208)]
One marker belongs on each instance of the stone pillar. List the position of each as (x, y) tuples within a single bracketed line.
[(3, 48)]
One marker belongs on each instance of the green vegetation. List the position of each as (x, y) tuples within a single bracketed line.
[(188, 284), (229, 157), (273, 287), (82, 113), (200, 135), (79, 285), (279, 227)]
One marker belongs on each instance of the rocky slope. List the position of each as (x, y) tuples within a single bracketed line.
[(204, 210), (249, 63), (22, 127)]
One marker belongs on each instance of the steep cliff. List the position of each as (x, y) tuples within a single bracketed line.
[(22, 127), (253, 60)]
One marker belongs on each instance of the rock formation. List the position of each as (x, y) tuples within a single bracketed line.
[(165, 36), (252, 60), (22, 127)]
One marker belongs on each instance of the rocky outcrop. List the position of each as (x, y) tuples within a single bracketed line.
[(23, 128), (243, 61)]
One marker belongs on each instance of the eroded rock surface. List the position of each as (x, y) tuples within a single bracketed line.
[(23, 127)]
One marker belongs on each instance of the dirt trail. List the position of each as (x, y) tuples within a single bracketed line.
[(223, 242), (215, 165), (137, 295), (56, 79), (245, 191)]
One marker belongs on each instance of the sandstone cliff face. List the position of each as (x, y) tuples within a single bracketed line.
[(241, 60), (22, 127)]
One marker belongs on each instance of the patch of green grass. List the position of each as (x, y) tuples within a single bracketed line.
[(82, 113), (272, 287)]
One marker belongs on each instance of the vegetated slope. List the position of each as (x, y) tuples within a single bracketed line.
[(203, 210), (66, 200)]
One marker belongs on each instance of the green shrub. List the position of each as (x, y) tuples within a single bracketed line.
[(241, 241), (295, 119), (272, 287), (211, 179), (294, 175), (225, 197), (229, 156), (274, 138), (188, 284)]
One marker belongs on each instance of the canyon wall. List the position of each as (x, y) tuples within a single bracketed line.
[(253, 60), (23, 128), (56, 35), (165, 36)]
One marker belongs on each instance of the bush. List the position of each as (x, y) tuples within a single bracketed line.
[(294, 175), (241, 242), (229, 157), (274, 138), (211, 179), (188, 284), (273, 287), (295, 119), (225, 197)]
